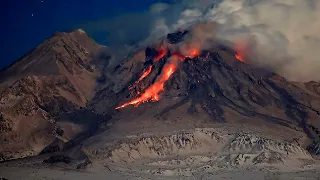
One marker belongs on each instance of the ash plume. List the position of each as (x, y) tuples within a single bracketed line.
[(278, 34), (282, 35)]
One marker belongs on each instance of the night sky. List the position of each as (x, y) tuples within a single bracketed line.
[(28, 23)]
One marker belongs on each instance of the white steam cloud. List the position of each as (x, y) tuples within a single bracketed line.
[(283, 35)]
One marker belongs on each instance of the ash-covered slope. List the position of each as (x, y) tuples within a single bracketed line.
[(57, 77)]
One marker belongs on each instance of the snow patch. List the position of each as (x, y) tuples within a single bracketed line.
[(81, 31)]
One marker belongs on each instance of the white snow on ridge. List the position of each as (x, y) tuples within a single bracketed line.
[(81, 31)]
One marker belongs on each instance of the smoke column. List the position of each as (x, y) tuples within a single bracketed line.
[(282, 35)]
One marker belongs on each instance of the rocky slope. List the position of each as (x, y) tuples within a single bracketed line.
[(183, 153), (57, 77)]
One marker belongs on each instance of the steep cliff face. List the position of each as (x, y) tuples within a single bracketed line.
[(57, 77)]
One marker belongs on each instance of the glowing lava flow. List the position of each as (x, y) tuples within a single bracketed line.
[(194, 53), (152, 92), (144, 75), (239, 57), (162, 52), (241, 49)]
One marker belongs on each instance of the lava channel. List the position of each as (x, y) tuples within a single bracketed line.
[(161, 53), (153, 91), (144, 75), (239, 57)]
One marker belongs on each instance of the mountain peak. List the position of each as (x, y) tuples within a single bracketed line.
[(56, 77), (73, 31), (69, 48), (81, 31)]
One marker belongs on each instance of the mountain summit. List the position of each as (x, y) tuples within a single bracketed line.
[(58, 76)]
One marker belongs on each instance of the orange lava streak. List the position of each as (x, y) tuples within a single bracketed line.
[(239, 57), (144, 75), (194, 53), (181, 57), (152, 92), (162, 52), (241, 47)]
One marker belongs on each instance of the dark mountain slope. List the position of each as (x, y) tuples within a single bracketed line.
[(57, 77)]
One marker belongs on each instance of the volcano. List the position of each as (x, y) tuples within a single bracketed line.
[(214, 81), (166, 111)]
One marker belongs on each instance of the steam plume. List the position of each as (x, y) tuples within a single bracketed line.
[(279, 34)]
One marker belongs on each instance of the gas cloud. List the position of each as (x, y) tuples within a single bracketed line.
[(281, 35)]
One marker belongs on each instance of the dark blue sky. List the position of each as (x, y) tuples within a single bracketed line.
[(23, 31)]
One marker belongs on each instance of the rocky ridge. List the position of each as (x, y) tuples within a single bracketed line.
[(57, 77)]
